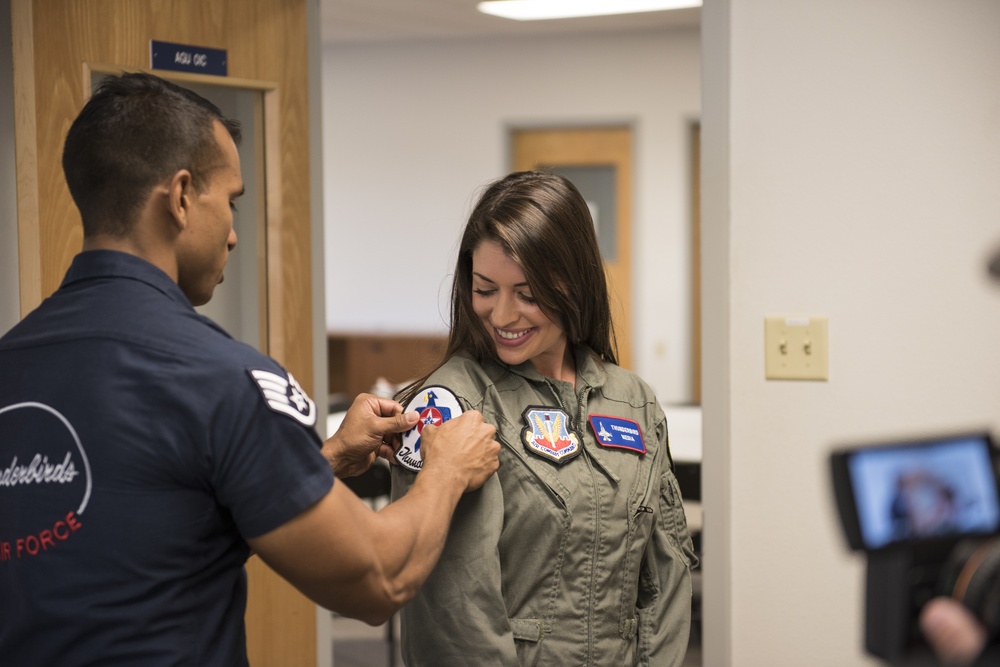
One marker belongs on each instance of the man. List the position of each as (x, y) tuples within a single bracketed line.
[(144, 454)]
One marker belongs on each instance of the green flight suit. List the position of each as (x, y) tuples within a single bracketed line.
[(578, 563)]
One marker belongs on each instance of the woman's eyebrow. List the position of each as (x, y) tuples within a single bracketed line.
[(481, 276)]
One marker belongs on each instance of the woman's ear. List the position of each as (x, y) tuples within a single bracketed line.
[(179, 191)]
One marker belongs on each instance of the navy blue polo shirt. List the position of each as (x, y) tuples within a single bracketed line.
[(140, 446)]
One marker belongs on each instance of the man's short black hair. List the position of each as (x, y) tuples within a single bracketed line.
[(136, 131)]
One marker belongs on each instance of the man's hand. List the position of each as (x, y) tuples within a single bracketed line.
[(463, 447), (956, 636), (370, 429)]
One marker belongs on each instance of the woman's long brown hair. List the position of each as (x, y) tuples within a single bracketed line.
[(541, 221)]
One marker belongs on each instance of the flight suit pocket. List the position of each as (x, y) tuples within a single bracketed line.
[(526, 629), (641, 524), (672, 516)]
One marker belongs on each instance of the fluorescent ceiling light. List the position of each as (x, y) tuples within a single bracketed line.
[(535, 10)]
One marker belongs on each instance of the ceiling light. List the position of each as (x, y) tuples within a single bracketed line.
[(535, 10)]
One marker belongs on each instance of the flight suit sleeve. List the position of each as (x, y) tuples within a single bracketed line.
[(664, 602), (459, 617)]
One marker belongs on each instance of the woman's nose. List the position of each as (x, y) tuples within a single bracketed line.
[(505, 312)]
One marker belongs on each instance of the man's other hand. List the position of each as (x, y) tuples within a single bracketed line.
[(370, 429), (463, 447)]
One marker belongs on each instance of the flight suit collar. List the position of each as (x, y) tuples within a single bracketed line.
[(590, 375), (589, 369)]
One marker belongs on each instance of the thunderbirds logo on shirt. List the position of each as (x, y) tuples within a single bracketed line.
[(43, 466), (285, 396), (618, 432), (547, 434), (436, 405)]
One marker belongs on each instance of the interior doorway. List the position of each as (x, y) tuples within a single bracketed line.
[(239, 304), (57, 48), (598, 160)]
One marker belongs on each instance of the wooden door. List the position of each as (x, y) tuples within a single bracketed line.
[(58, 44), (594, 155)]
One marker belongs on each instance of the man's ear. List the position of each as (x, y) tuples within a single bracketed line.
[(179, 193)]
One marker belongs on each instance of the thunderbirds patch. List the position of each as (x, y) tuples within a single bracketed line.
[(285, 396), (436, 405), (618, 432), (547, 434)]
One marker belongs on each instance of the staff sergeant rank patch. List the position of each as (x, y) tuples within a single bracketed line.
[(436, 405), (285, 396), (618, 432), (547, 434)]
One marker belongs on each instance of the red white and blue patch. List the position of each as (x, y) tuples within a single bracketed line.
[(285, 396), (547, 434), (436, 405), (618, 432)]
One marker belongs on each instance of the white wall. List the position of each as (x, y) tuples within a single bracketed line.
[(413, 131), (852, 169)]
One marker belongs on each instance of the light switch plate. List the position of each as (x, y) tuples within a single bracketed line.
[(796, 348)]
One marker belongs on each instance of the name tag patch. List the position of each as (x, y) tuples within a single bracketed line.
[(285, 396), (547, 434), (618, 432), (436, 405)]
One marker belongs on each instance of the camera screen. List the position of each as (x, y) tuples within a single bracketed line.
[(931, 489)]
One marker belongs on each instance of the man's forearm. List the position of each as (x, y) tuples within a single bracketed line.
[(360, 563), (411, 532)]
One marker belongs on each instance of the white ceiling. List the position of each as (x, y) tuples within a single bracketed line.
[(352, 21)]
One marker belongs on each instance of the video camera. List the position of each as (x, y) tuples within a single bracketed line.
[(927, 514)]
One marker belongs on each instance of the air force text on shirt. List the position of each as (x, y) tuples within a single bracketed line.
[(32, 545), (39, 471)]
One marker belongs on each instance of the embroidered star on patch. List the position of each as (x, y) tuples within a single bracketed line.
[(285, 396)]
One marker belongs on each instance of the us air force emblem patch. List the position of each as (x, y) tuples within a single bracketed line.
[(436, 405), (285, 396), (618, 432), (546, 433)]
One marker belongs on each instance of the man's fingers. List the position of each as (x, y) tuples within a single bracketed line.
[(384, 407), (401, 422), (386, 452), (381, 416), (468, 447)]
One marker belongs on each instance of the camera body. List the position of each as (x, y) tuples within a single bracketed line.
[(900, 581), (927, 514)]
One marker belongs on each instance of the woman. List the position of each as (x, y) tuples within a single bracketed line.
[(577, 551)]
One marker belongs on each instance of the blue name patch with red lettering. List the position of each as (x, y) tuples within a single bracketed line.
[(617, 432)]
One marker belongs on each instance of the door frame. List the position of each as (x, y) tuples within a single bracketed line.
[(266, 171), (268, 41)]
